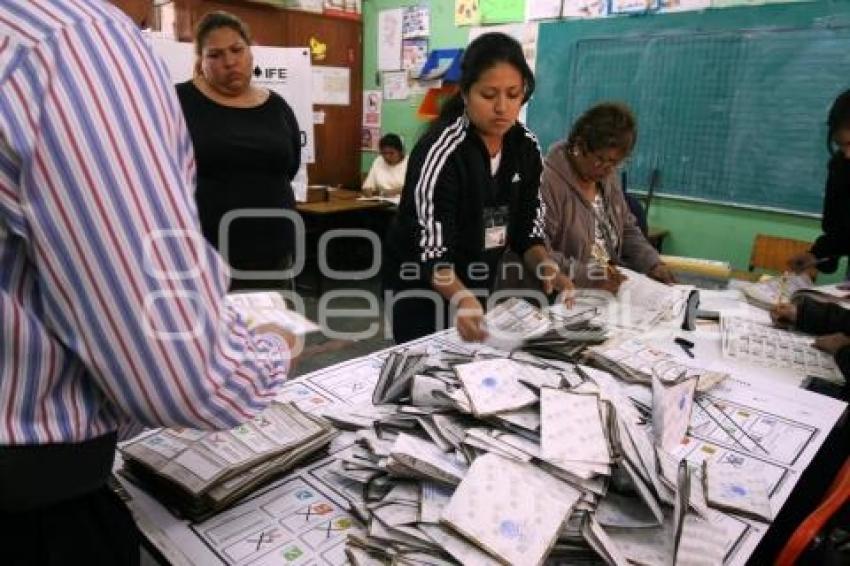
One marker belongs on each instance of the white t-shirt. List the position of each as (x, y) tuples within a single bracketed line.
[(386, 178)]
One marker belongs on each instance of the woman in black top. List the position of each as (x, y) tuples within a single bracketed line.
[(471, 191), (835, 240), (247, 148)]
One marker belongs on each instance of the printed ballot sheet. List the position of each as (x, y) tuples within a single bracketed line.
[(493, 387), (510, 509), (737, 491), (572, 428), (671, 411), (269, 307), (764, 345)]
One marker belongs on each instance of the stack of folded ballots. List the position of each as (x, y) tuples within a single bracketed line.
[(198, 473), (774, 290), (514, 460), (640, 303), (516, 324), (633, 360)]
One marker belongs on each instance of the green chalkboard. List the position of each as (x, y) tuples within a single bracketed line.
[(728, 114)]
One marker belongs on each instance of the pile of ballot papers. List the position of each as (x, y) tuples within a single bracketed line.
[(633, 360), (512, 459), (772, 291), (198, 473), (639, 305), (516, 324)]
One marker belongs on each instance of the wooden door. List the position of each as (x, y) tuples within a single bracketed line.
[(338, 137)]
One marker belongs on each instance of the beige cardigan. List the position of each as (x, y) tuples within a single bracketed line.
[(570, 222)]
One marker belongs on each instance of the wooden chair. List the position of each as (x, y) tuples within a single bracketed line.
[(771, 253)]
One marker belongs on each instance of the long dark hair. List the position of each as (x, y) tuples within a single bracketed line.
[(839, 117), (483, 53)]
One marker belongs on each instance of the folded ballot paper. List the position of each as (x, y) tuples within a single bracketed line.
[(269, 307), (671, 410), (774, 290), (737, 491), (640, 303), (201, 472), (516, 324), (511, 509)]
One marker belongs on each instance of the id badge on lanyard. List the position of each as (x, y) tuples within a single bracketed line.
[(495, 227)]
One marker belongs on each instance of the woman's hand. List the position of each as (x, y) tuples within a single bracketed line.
[(612, 281), (554, 281), (831, 343), (470, 319), (661, 272), (784, 315)]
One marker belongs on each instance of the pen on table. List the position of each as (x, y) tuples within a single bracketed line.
[(686, 345)]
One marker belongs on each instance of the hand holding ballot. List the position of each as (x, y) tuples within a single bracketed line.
[(784, 315), (799, 263)]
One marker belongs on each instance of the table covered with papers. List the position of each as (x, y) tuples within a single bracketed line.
[(452, 452)]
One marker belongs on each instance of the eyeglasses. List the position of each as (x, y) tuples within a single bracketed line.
[(601, 162)]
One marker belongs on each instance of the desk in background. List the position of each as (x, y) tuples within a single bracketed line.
[(342, 210)]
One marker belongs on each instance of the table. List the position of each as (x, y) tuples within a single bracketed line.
[(342, 210), (761, 396), (340, 201)]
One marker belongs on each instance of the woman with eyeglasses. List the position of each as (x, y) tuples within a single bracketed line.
[(835, 222), (588, 223)]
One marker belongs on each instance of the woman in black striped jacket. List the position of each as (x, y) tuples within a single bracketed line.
[(471, 192)]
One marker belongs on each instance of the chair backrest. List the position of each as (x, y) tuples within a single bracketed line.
[(771, 253)]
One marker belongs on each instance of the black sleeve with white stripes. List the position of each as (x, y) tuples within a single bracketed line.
[(528, 222), (436, 197)]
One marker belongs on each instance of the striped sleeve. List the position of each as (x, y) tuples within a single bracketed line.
[(103, 167), (435, 195), (530, 224)]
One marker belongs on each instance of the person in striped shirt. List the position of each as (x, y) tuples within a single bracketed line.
[(112, 309)]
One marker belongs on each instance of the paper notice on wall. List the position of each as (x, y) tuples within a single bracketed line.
[(331, 85), (369, 138), (389, 39), (525, 34), (467, 12), (585, 9), (416, 22), (502, 11), (372, 102), (543, 9), (395, 85), (632, 6), (414, 53)]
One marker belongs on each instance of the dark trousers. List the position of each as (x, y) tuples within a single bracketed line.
[(415, 317), (56, 509), (94, 529)]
